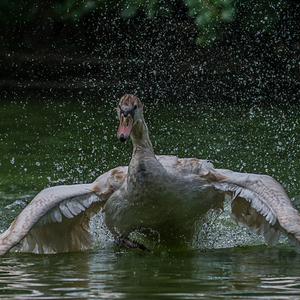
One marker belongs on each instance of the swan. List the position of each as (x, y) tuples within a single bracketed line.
[(159, 196)]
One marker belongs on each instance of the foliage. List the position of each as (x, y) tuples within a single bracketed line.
[(211, 16)]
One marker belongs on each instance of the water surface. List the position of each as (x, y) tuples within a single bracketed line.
[(47, 141)]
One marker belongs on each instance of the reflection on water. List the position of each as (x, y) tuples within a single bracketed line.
[(52, 142), (230, 274)]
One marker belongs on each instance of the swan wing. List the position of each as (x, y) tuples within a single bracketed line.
[(57, 219), (260, 203)]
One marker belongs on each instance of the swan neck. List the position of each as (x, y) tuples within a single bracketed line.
[(140, 137)]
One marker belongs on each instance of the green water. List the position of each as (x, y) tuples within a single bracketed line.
[(108, 274), (47, 141)]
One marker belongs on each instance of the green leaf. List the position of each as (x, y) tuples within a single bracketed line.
[(129, 11), (227, 14)]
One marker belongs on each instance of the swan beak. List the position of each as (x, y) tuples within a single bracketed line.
[(125, 127)]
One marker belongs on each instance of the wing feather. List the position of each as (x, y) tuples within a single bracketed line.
[(57, 219), (260, 203)]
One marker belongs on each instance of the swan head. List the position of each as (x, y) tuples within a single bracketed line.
[(130, 111)]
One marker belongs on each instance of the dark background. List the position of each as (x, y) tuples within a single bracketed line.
[(240, 51)]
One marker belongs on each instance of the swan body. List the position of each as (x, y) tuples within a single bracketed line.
[(160, 196), (163, 194)]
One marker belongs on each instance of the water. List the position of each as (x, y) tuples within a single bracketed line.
[(47, 141), (108, 274)]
